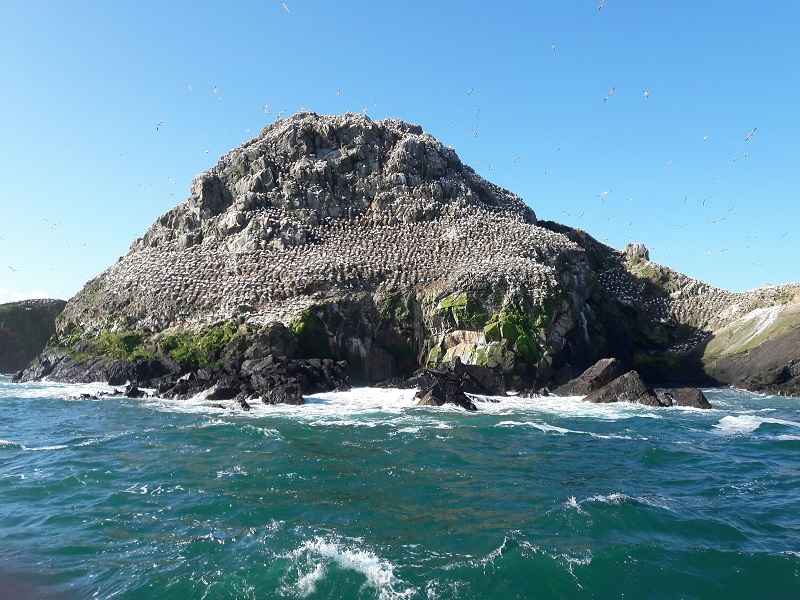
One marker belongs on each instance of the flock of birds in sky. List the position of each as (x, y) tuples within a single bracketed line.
[(473, 131)]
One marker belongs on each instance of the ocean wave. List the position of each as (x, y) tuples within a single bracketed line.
[(18, 446), (553, 429), (614, 499), (312, 560), (748, 423)]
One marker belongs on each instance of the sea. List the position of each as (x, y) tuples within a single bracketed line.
[(363, 494)]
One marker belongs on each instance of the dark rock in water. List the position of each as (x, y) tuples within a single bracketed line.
[(240, 403), (224, 390), (396, 383), (285, 392), (682, 397), (475, 379), (626, 388), (445, 392), (312, 375), (664, 397), (472, 379), (595, 377), (132, 391)]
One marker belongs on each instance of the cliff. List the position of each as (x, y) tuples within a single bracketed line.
[(370, 242), (25, 328)]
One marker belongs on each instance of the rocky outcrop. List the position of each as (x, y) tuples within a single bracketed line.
[(25, 328), (688, 397), (759, 351), (348, 239), (626, 388), (630, 388), (595, 377)]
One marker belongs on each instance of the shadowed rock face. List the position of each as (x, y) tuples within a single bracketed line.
[(25, 328), (369, 241)]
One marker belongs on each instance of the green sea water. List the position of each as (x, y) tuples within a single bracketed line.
[(365, 495)]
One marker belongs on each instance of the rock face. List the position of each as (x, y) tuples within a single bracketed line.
[(626, 388), (348, 239), (598, 375), (25, 328)]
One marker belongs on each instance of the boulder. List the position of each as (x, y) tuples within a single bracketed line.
[(475, 379), (284, 392), (444, 392), (132, 391), (682, 397), (603, 372), (626, 388)]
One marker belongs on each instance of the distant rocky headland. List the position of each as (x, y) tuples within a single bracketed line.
[(338, 250), (25, 329)]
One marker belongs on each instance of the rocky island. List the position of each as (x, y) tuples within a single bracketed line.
[(332, 250)]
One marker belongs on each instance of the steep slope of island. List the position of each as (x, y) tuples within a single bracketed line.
[(370, 242)]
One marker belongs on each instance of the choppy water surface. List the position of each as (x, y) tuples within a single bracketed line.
[(364, 495)]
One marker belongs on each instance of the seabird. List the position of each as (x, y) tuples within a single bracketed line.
[(751, 134), (608, 95), (159, 125), (286, 7), (646, 93), (553, 46), (13, 269), (705, 137)]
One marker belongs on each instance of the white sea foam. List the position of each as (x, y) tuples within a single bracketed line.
[(614, 499), (313, 558), (553, 429), (748, 423)]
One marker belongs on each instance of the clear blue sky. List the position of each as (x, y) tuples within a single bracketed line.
[(85, 170)]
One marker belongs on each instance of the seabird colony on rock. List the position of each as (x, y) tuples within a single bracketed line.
[(318, 207)]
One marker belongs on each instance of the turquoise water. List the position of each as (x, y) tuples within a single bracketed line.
[(364, 495)]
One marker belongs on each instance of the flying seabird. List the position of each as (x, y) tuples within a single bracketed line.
[(13, 269), (286, 7), (159, 125), (646, 93), (608, 95), (751, 134)]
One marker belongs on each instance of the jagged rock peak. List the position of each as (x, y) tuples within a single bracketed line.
[(299, 172)]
